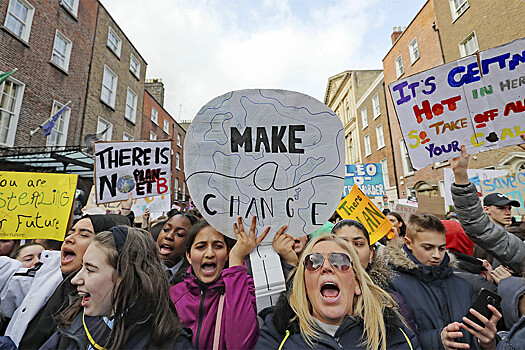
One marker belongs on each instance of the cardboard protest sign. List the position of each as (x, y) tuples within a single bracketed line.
[(466, 102), (433, 205), (405, 208), (35, 205), (272, 153), (512, 186), (140, 167), (357, 206), (482, 174), (368, 177)]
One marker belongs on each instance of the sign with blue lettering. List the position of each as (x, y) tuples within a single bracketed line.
[(476, 101), (275, 154), (512, 186), (368, 177)]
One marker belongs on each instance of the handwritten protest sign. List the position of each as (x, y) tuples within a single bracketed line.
[(35, 205), (357, 206), (405, 208), (480, 105), (512, 186), (482, 174), (140, 167), (272, 153), (368, 177), (157, 206)]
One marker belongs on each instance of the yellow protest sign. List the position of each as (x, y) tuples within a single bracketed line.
[(357, 206), (35, 205)]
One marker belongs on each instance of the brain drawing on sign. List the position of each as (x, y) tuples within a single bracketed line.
[(272, 153)]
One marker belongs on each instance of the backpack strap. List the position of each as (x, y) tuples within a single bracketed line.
[(218, 322)]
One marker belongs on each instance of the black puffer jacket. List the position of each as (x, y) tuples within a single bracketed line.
[(279, 333)]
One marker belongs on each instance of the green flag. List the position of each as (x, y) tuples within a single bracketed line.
[(4, 76)]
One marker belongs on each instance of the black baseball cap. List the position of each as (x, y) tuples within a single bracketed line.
[(499, 200)]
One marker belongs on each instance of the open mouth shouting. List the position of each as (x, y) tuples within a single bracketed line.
[(330, 292), (68, 255), (208, 268), (85, 297), (165, 249)]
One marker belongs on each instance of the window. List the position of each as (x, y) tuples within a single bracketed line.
[(368, 149), (348, 142), (154, 115), (131, 106), (166, 126), (183, 192), (114, 42), (61, 51), (134, 66), (457, 7), (375, 106), (399, 66), (179, 140), (105, 128), (469, 45), (442, 188), (12, 92), (19, 18), (71, 6), (58, 135), (411, 192), (364, 118), (414, 51), (109, 87), (177, 161), (380, 137), (127, 137), (407, 165), (386, 179), (152, 135), (176, 188)]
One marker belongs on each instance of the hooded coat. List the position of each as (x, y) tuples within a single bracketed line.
[(279, 333), (511, 289), (436, 296), (197, 304)]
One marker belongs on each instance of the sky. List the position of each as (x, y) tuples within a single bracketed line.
[(204, 48)]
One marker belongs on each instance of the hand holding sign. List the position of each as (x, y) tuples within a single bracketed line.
[(245, 243)]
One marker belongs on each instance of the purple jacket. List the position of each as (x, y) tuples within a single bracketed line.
[(197, 306)]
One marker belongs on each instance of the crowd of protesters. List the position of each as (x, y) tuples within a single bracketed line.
[(178, 283)]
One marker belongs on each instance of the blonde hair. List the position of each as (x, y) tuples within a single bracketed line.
[(369, 305)]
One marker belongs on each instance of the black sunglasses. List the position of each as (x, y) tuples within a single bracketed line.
[(339, 261)]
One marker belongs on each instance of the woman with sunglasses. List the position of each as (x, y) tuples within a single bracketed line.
[(334, 304)]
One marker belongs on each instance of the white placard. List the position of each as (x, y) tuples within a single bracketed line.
[(140, 167), (157, 205), (272, 153)]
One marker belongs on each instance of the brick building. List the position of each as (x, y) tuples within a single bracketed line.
[(374, 127), (50, 42), (158, 124), (116, 84)]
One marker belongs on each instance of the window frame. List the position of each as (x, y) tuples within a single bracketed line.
[(109, 44), (376, 106), (400, 69), (72, 10), (458, 11), (364, 117), (113, 96), (462, 44), (133, 117), (153, 136), (156, 114), (405, 159), (132, 58), (386, 176), (106, 123), (14, 114), (177, 161), (179, 137), (64, 117), (127, 137), (368, 145), (25, 32), (166, 123), (67, 54), (381, 144), (412, 52)]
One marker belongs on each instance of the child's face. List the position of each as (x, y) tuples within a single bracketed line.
[(358, 241), (95, 282), (208, 254), (30, 255), (75, 244), (428, 247), (171, 239)]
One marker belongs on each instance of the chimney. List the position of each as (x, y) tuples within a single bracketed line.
[(156, 88), (396, 33)]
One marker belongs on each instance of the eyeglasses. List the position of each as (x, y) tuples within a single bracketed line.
[(339, 261)]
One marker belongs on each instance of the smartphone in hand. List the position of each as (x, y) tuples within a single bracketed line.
[(484, 298)]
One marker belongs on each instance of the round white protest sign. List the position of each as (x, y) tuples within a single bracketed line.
[(275, 154)]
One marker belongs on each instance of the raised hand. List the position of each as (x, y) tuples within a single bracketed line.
[(486, 335), (245, 242), (283, 244)]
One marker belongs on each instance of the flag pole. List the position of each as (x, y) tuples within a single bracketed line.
[(32, 132)]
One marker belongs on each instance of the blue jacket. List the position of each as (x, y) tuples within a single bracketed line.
[(515, 338), (279, 333), (436, 296)]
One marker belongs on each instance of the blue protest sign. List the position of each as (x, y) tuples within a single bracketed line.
[(368, 177)]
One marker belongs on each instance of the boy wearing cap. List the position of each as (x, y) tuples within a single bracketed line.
[(498, 207)]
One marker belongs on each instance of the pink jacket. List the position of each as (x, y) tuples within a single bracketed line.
[(197, 306)]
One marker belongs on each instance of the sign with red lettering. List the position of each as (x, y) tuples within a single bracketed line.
[(140, 167), (476, 101)]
